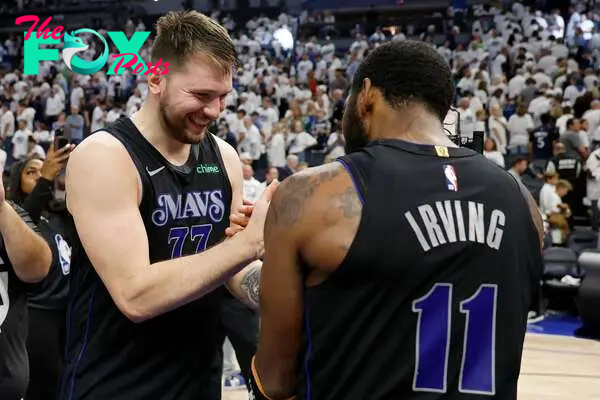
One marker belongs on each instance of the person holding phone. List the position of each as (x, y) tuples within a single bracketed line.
[(32, 187)]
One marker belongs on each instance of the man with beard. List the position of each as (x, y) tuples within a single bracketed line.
[(151, 197), (406, 268)]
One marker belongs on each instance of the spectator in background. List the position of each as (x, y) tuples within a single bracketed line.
[(519, 127), (98, 116), (556, 211), (54, 106), (74, 126), (490, 151), (542, 139), (497, 127), (271, 174), (571, 139), (518, 167), (252, 187), (26, 113), (34, 149), (20, 146), (290, 168), (42, 135)]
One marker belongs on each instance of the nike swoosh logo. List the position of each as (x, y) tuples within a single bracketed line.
[(154, 171)]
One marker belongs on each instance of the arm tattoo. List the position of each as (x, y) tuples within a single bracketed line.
[(349, 204), (250, 285), (292, 196)]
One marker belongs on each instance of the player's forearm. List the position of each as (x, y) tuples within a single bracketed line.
[(167, 285), (29, 254), (245, 285)]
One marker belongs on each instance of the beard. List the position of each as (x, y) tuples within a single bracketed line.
[(175, 125), (354, 129)]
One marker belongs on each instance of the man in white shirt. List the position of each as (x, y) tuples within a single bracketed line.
[(20, 142), (250, 139), (98, 116), (26, 113), (77, 94), (549, 199), (252, 187), (54, 106), (592, 116), (519, 126), (7, 122)]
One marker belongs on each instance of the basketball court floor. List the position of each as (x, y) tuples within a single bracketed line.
[(556, 365)]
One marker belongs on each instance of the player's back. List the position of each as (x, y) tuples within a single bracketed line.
[(431, 300)]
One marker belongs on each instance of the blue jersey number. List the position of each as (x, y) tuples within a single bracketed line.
[(179, 235), (433, 340)]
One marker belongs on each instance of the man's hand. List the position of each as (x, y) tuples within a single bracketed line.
[(255, 227), (55, 161), (239, 219)]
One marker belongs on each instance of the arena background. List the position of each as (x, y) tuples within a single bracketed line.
[(561, 359)]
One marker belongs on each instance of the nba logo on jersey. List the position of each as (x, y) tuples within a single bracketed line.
[(451, 179)]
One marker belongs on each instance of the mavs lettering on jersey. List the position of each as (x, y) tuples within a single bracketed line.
[(456, 221), (190, 205)]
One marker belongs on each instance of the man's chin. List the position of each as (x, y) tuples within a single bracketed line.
[(194, 136)]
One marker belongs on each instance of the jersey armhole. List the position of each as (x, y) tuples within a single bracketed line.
[(357, 177)]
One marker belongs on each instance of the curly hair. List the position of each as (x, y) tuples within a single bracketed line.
[(408, 72)]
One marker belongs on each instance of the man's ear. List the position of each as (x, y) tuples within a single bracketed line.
[(156, 83), (366, 98)]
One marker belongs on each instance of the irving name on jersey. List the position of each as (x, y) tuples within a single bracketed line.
[(452, 221)]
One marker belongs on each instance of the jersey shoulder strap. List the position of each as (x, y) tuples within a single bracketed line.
[(358, 166)]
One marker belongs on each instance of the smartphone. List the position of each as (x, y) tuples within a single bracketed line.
[(60, 140)]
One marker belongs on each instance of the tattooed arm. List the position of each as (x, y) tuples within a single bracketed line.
[(304, 205), (245, 285)]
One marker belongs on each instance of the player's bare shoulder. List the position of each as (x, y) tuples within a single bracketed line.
[(100, 145), (101, 160), (316, 194)]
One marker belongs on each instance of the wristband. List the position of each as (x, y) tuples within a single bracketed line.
[(257, 391)]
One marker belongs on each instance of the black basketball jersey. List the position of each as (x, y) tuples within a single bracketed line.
[(14, 364), (431, 300), (52, 292), (542, 139), (174, 356)]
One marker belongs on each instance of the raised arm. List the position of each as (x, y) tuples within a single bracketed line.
[(28, 252), (104, 204)]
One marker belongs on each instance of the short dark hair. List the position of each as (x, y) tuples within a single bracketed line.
[(570, 122), (406, 72)]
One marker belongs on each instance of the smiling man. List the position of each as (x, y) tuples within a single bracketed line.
[(405, 269), (151, 198)]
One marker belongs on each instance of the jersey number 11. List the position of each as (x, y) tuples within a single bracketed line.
[(433, 340)]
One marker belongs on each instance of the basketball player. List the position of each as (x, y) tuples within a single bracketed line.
[(147, 194), (24, 258), (405, 269)]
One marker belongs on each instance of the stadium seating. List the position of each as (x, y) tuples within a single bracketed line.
[(558, 262), (580, 241)]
